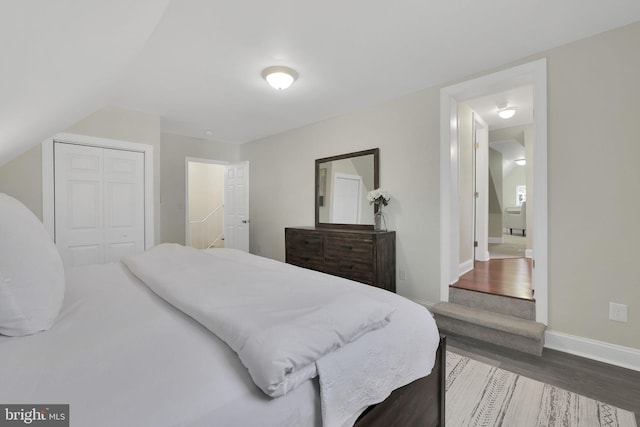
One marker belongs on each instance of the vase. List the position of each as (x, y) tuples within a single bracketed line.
[(379, 223)]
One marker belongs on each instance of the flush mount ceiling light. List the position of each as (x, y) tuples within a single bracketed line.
[(520, 162), (506, 112), (279, 77)]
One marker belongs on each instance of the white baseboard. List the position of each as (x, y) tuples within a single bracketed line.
[(495, 240), (465, 267), (612, 354)]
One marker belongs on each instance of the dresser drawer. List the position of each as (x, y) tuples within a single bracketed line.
[(361, 255), (313, 262), (359, 250), (361, 271), (307, 242)]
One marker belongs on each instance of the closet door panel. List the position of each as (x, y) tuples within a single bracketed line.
[(99, 203), (79, 204), (124, 203)]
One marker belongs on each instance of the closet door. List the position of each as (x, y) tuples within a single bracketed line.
[(79, 204), (99, 203), (123, 203)]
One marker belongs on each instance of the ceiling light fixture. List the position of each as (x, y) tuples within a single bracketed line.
[(279, 77), (520, 162), (506, 112)]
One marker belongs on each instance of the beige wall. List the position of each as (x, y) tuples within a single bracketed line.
[(22, 178), (407, 132), (175, 150), (593, 89)]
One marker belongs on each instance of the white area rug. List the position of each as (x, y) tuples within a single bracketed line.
[(482, 395)]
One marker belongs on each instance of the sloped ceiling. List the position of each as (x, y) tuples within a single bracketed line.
[(60, 61), (197, 63)]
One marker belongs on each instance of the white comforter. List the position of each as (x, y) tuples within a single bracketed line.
[(273, 321), (279, 325)]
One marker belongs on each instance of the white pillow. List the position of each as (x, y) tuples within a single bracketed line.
[(31, 272)]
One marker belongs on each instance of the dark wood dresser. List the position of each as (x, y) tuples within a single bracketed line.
[(365, 256)]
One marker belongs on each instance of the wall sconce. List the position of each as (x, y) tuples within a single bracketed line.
[(279, 77), (520, 162)]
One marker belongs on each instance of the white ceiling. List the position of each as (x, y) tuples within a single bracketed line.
[(487, 107), (199, 67)]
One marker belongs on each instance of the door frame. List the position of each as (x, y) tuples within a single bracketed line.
[(187, 234), (48, 181), (481, 186), (534, 73)]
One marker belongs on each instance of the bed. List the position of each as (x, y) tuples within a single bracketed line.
[(119, 352)]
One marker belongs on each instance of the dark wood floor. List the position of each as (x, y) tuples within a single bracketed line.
[(609, 384), (509, 277)]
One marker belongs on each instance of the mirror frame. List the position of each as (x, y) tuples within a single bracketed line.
[(376, 183)]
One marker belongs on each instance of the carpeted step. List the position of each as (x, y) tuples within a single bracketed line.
[(500, 329), (517, 307)]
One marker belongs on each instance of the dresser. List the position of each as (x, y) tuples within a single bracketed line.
[(365, 256)]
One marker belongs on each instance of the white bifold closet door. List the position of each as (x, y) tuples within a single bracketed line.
[(99, 203)]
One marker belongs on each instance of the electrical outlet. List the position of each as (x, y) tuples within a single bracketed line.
[(618, 312), (402, 275)]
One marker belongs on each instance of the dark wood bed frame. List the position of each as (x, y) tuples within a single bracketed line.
[(420, 403)]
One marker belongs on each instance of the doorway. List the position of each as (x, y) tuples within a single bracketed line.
[(205, 204), (533, 73), (221, 204)]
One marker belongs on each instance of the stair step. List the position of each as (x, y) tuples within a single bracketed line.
[(504, 330), (517, 307)]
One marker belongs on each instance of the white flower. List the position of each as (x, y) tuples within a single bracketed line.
[(378, 196)]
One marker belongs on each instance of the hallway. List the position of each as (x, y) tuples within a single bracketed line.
[(509, 277)]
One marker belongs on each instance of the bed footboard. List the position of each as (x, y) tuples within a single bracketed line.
[(420, 403)]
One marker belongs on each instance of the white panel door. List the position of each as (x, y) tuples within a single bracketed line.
[(236, 206), (124, 203), (347, 197), (99, 203), (79, 204)]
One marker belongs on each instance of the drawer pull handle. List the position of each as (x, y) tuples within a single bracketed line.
[(346, 267), (346, 247)]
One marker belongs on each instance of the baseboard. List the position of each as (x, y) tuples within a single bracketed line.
[(625, 357), (465, 267), (495, 240)]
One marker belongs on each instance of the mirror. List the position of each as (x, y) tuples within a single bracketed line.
[(342, 184)]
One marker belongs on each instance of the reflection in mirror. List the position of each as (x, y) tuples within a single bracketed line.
[(342, 184)]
